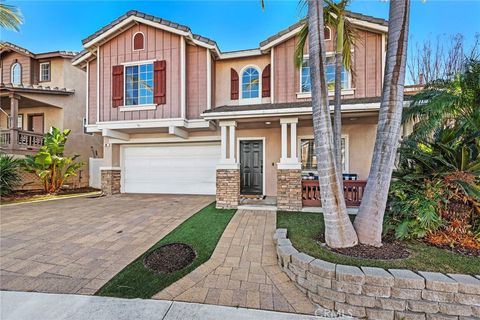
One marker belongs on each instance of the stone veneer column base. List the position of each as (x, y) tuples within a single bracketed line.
[(111, 181), (289, 189), (228, 188)]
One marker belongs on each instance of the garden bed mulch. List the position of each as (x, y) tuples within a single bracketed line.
[(34, 194), (170, 257), (390, 250)]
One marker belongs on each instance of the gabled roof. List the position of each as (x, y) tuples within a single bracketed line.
[(8, 46), (358, 19), (134, 16)]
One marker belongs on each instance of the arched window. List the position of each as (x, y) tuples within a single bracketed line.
[(16, 76), (138, 41), (327, 33), (250, 83)]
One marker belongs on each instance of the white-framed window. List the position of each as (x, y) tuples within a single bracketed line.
[(330, 72), (16, 74), (139, 84), (250, 83), (308, 159), (45, 71)]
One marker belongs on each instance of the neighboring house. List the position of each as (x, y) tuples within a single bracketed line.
[(180, 116), (39, 91)]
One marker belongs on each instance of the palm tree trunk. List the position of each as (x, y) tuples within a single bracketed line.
[(339, 231), (337, 111), (369, 220)]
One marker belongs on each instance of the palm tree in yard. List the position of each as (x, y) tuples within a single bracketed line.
[(334, 15), (10, 17), (339, 231), (369, 221)]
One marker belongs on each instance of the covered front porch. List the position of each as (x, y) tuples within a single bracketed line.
[(24, 119), (271, 161)]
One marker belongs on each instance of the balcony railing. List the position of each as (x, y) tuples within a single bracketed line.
[(20, 140), (352, 190)]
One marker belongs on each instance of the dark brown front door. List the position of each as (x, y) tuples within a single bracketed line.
[(35, 123), (251, 167)]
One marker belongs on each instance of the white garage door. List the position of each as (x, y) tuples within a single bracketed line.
[(181, 168)]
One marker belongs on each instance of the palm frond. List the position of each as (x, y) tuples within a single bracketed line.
[(10, 17), (302, 40)]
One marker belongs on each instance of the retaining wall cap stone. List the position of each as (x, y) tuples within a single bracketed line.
[(439, 282), (407, 279), (349, 274), (322, 268), (466, 283), (377, 276), (284, 242)]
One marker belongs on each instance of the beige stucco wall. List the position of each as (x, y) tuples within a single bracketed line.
[(222, 76), (52, 117), (361, 139)]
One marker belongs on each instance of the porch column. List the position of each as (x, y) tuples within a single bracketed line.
[(289, 173), (228, 170), (13, 121)]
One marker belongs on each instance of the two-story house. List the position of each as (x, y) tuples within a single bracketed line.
[(178, 115), (39, 91)]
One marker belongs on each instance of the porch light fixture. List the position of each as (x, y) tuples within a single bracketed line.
[(268, 122)]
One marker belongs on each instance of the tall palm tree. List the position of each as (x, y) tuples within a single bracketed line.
[(339, 231), (334, 15), (369, 220), (10, 17)]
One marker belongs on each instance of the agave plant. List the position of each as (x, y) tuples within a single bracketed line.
[(9, 173), (50, 164)]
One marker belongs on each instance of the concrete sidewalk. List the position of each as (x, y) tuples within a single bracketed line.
[(34, 306)]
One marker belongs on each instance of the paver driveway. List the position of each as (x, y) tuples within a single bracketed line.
[(76, 245)]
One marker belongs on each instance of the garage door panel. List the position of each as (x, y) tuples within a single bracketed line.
[(187, 169)]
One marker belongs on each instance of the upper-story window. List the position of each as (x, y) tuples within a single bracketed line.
[(330, 72), (139, 84), (327, 33), (138, 41), (45, 71), (250, 83), (16, 75)]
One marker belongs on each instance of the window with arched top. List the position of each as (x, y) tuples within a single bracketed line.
[(16, 75), (138, 41), (250, 83), (327, 33)]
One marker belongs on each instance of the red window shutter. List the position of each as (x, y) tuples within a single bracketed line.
[(266, 81), (160, 82), (138, 41), (117, 86), (233, 84)]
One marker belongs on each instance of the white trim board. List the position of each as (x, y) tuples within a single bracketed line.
[(263, 139)]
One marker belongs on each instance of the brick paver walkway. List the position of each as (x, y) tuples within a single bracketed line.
[(242, 271), (76, 245)]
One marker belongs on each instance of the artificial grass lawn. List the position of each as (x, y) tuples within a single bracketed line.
[(202, 231), (304, 227)]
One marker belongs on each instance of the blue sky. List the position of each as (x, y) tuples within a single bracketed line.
[(60, 25)]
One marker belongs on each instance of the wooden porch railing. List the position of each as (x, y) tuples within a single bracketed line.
[(352, 189), (16, 139)]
